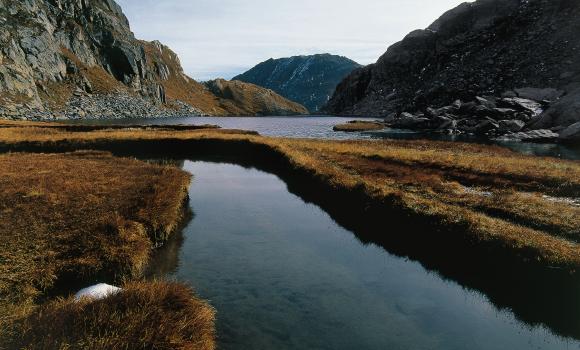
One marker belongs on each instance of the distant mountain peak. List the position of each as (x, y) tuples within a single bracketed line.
[(307, 79)]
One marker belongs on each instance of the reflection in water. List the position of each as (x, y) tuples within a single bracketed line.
[(166, 258), (282, 274)]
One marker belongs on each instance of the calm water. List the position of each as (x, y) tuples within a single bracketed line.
[(321, 127), (283, 275)]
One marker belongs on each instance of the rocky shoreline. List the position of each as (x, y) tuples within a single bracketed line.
[(510, 117), (112, 106)]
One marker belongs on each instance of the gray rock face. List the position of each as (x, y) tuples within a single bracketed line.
[(79, 58), (531, 136), (571, 134), (539, 94), (409, 121), (480, 117), (48, 42), (534, 108), (483, 48), (506, 126), (565, 112)]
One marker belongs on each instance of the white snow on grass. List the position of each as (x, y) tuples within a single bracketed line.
[(96, 292)]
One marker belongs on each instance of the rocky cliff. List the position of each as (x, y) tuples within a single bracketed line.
[(79, 58), (308, 80), (485, 48)]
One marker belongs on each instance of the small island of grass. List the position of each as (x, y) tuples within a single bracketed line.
[(359, 125)]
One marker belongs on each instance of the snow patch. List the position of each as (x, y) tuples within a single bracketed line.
[(97, 292)]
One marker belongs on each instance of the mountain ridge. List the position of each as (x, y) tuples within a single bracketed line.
[(484, 48), (307, 79), (79, 58)]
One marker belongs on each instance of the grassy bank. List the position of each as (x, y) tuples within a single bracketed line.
[(79, 218), (155, 315), (358, 125), (490, 195)]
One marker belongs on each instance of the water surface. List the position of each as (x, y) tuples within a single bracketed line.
[(283, 275), (321, 127)]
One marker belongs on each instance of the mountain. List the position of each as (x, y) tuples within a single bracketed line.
[(308, 80), (485, 48), (79, 58), (249, 99)]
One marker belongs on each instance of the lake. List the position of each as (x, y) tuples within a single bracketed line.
[(321, 127), (283, 274)]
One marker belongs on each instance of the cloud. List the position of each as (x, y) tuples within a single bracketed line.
[(221, 38)]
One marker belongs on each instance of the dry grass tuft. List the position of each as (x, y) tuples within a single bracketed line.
[(79, 216), (145, 315)]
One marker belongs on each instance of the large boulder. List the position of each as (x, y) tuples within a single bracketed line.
[(564, 112), (534, 108), (506, 126), (410, 121), (531, 136), (536, 94), (571, 134)]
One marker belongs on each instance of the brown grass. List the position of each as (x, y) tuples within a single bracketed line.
[(146, 315), (79, 216), (101, 81), (240, 99), (357, 125), (58, 96), (489, 194), (179, 86)]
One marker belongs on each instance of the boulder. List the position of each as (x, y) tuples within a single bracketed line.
[(565, 112), (410, 121), (468, 107), (448, 125), (482, 111), (486, 126), (432, 112), (521, 104), (436, 122), (485, 102), (504, 112), (390, 118), (536, 94), (543, 135), (506, 126), (571, 134)]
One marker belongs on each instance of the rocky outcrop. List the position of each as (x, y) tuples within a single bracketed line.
[(524, 48), (249, 99), (564, 112), (79, 59), (308, 80), (501, 118), (571, 134)]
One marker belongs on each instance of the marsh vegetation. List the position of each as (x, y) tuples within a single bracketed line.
[(74, 219), (455, 198)]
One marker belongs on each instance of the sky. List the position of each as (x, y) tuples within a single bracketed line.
[(223, 38)]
